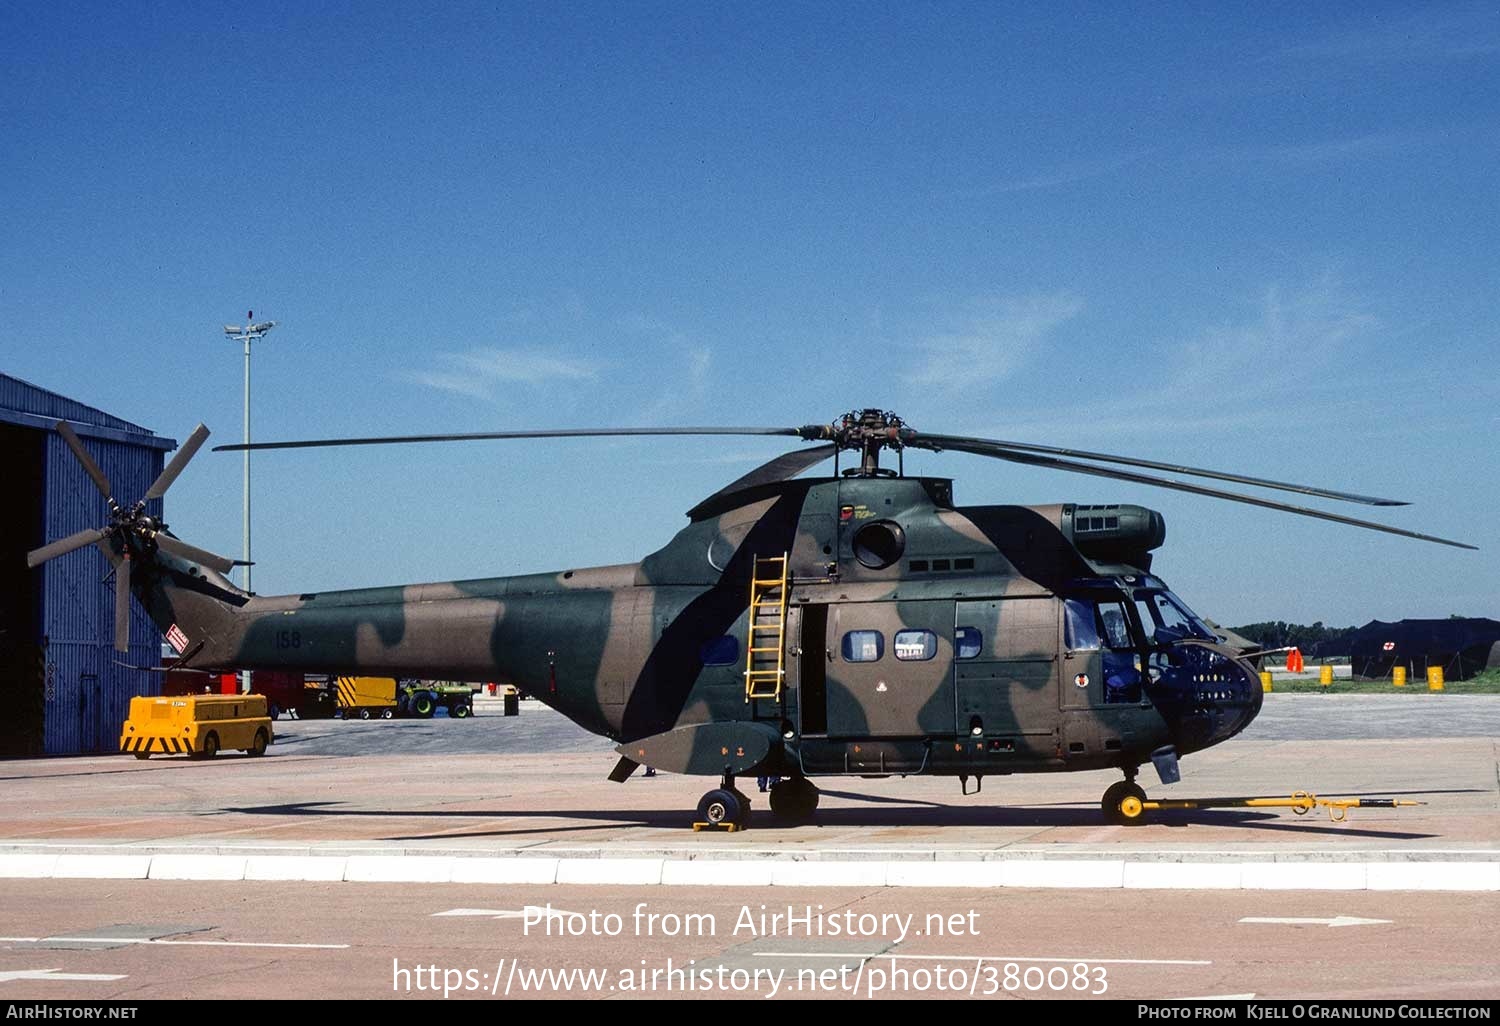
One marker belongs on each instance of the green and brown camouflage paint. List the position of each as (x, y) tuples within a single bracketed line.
[(620, 649)]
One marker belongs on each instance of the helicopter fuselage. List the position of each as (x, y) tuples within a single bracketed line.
[(917, 637)]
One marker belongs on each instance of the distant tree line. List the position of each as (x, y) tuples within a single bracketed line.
[(1316, 640), (1328, 641)]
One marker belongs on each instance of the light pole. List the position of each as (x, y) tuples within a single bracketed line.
[(250, 332)]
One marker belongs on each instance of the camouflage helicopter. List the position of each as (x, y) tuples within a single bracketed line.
[(856, 624)]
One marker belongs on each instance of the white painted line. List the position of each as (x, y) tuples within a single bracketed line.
[(295, 868), (945, 874), (629, 872), (25, 866), (504, 871), (197, 867), (1303, 876), (1065, 873), (716, 873), (982, 958), (407, 869), (55, 974), (1261, 874), (101, 867), (1434, 876), (828, 874), (536, 911), (167, 943), (1309, 921), (1183, 875)]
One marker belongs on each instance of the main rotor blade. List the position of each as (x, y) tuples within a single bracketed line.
[(179, 461), (178, 547), (63, 546), (315, 443), (952, 442), (783, 468), (961, 445), (90, 467), (122, 604)]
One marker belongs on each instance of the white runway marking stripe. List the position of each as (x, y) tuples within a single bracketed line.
[(503, 913), (171, 943), (55, 974), (983, 958), (1309, 921)]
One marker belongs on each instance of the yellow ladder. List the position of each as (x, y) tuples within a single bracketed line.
[(765, 666)]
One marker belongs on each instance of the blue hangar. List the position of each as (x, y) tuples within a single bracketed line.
[(64, 688)]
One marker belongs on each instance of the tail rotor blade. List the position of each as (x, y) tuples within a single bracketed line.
[(122, 605), (90, 467), (63, 546), (179, 461), (178, 547)]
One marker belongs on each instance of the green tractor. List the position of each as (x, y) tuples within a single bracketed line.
[(422, 698)]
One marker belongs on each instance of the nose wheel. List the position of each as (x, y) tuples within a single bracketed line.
[(725, 807), (1124, 804)]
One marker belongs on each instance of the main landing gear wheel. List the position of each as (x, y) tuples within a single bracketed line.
[(723, 806), (795, 799), (1124, 804)]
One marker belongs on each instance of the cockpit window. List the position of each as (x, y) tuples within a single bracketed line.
[(1114, 625), (1166, 619), (1091, 625)]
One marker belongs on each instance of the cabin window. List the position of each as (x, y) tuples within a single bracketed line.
[(915, 646), (863, 646), (969, 641), (720, 651), (1081, 626)]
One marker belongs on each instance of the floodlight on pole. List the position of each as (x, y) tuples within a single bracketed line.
[(250, 332)]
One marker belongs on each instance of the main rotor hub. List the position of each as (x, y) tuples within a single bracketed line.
[(866, 431)]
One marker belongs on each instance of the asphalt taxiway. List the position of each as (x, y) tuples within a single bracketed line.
[(356, 849)]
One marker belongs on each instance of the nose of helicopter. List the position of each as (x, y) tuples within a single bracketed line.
[(1207, 694)]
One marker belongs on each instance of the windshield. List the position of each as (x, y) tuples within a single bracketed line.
[(1166, 619)]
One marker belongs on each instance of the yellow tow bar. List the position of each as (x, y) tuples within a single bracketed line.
[(1301, 802)]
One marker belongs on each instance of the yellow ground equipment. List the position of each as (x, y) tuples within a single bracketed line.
[(196, 725), (366, 697), (1133, 809)]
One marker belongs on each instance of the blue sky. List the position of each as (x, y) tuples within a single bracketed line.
[(1261, 237)]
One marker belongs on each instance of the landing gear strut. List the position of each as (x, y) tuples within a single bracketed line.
[(794, 799), (725, 806), (1123, 803)]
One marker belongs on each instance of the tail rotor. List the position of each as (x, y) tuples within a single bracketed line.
[(136, 532)]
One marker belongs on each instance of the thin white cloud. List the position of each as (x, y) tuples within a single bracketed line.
[(1066, 174), (477, 372), (1431, 34), (990, 339), (1323, 151), (1308, 327), (1199, 383)]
